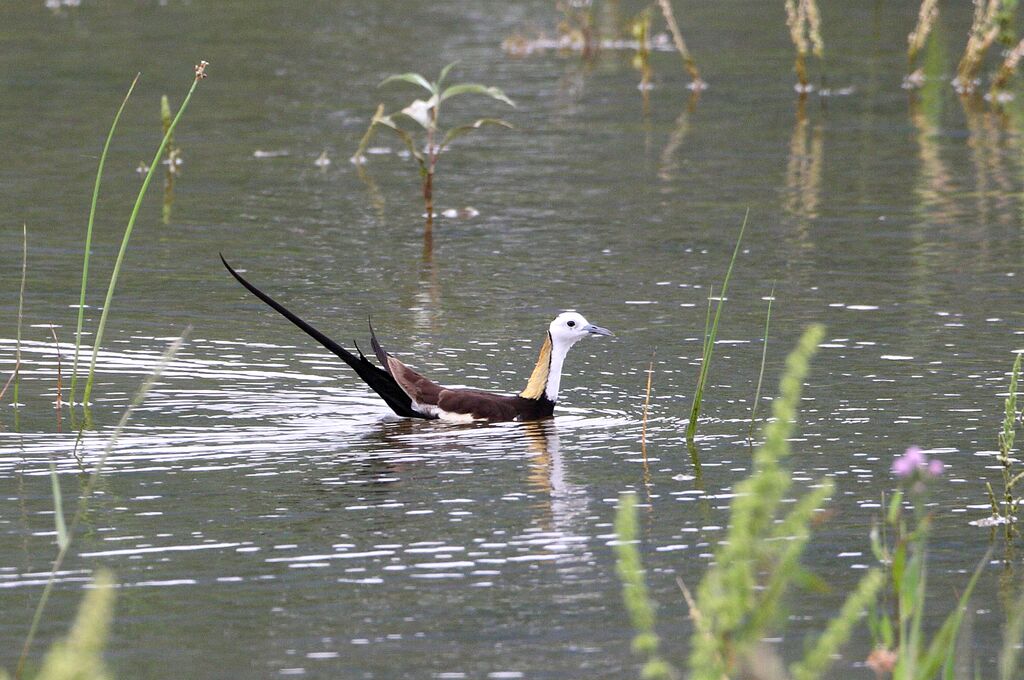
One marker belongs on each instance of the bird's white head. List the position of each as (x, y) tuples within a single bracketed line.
[(569, 327), (566, 330)]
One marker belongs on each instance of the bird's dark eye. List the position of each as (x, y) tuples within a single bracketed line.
[(570, 324)]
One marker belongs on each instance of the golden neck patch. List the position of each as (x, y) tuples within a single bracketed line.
[(539, 378)]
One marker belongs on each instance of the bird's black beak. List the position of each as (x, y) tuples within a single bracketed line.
[(596, 330)]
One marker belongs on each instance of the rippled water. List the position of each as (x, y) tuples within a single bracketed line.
[(265, 514)]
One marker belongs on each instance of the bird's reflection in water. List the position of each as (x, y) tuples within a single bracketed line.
[(563, 504)]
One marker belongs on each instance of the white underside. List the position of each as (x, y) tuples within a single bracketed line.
[(441, 414)]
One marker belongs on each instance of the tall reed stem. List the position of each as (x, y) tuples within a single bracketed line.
[(88, 239), (200, 74)]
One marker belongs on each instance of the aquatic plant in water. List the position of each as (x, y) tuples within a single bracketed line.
[(992, 20), (804, 22), (426, 114), (15, 374), (1004, 512), (927, 14), (896, 624), (200, 74), (710, 333), (740, 598), (88, 238), (65, 535), (689, 63)]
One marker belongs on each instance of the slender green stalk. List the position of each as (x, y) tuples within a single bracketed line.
[(200, 74), (21, 309), (638, 603), (58, 507), (709, 340), (79, 655), (88, 239), (1013, 633), (739, 597), (764, 356), (819, 658), (90, 487)]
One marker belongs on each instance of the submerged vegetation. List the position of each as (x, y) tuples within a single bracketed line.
[(426, 114)]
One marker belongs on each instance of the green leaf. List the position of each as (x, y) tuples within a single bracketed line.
[(444, 72), (895, 505), (464, 130), (388, 122), (474, 88), (414, 78), (943, 645)]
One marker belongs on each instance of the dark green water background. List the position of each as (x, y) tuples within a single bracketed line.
[(264, 514)]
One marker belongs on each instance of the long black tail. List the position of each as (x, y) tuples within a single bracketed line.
[(379, 380)]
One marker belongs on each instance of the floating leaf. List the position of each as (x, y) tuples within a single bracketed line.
[(463, 130), (475, 88), (414, 78)]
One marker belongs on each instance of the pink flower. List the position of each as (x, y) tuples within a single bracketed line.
[(915, 462)]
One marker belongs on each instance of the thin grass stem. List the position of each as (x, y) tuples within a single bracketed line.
[(764, 356), (709, 340), (88, 238), (90, 487), (21, 312), (200, 74), (58, 404), (647, 404)]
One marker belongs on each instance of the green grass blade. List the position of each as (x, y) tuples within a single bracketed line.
[(21, 310), (1013, 635), (90, 487), (414, 78), (128, 232), (764, 356), (709, 345), (635, 595), (943, 645), (58, 508), (79, 655), (819, 659), (21, 302), (88, 238)]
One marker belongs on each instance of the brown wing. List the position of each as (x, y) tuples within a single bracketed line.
[(420, 389), (481, 405)]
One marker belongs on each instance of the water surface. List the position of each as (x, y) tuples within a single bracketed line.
[(264, 513)]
